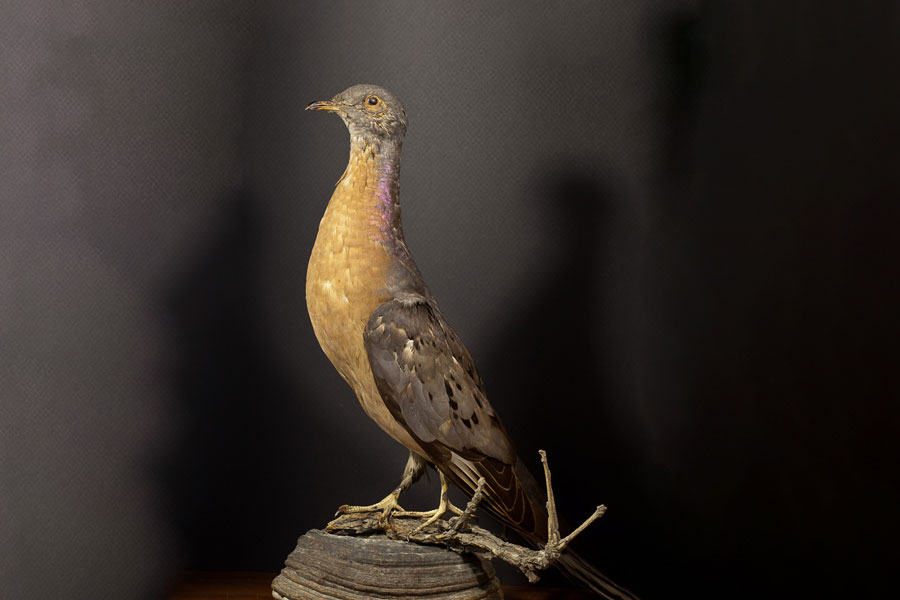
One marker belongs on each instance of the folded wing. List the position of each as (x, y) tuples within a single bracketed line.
[(429, 383)]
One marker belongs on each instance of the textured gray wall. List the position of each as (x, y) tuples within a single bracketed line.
[(115, 164), (664, 229)]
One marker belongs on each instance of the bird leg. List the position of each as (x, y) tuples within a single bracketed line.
[(415, 466), (433, 515)]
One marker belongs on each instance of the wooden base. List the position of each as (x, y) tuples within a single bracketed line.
[(326, 566), (257, 585)]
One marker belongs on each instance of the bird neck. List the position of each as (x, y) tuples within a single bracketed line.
[(370, 188)]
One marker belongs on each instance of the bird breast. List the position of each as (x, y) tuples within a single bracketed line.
[(347, 280)]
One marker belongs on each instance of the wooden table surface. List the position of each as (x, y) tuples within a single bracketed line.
[(253, 585)]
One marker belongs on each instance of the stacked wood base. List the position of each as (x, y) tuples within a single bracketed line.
[(326, 566)]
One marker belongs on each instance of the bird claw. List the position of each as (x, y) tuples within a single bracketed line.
[(386, 507), (432, 516)]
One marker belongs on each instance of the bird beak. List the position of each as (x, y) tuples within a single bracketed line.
[(323, 105)]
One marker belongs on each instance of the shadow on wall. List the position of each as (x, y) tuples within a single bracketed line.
[(238, 410), (547, 346), (773, 284), (546, 374)]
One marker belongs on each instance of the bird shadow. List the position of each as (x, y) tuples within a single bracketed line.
[(549, 342), (547, 366), (237, 409)]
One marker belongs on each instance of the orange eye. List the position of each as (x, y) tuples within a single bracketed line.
[(372, 100)]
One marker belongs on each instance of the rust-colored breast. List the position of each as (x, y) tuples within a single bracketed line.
[(346, 281)]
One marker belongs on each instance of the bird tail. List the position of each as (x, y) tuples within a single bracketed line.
[(580, 571)]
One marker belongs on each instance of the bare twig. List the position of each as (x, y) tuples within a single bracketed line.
[(459, 535), (456, 523)]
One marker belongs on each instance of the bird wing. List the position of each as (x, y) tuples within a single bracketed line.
[(429, 383)]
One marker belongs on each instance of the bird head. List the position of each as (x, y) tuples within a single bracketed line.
[(369, 111)]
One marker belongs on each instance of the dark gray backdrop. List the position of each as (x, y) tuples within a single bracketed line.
[(666, 231)]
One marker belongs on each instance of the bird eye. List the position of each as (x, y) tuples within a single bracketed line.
[(372, 100)]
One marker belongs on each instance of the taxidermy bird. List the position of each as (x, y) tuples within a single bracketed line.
[(378, 323)]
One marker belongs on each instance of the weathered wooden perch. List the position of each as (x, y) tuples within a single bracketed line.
[(460, 535), (368, 556)]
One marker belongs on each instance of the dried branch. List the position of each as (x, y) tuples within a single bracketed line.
[(459, 535)]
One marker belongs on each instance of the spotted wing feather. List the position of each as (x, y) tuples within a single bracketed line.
[(429, 382)]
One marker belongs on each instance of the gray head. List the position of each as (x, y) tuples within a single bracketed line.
[(369, 111)]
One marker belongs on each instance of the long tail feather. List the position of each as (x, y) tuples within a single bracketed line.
[(579, 570)]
